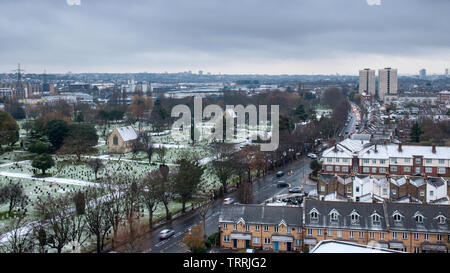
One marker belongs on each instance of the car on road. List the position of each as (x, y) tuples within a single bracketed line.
[(166, 233), (297, 189), (311, 155), (228, 201), (282, 184), (280, 173)]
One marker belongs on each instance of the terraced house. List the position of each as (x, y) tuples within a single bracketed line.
[(398, 226), (397, 159), (261, 227)]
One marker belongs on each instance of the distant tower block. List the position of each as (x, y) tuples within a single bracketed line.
[(367, 81), (387, 82)]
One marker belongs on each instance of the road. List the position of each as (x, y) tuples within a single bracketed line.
[(262, 190), (351, 124)]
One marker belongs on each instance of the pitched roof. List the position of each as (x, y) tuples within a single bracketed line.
[(127, 133), (344, 209), (260, 214), (428, 211)]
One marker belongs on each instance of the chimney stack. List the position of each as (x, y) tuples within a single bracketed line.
[(433, 149), (335, 147), (341, 138), (330, 143), (376, 151), (399, 147)]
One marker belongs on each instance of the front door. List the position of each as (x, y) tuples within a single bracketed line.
[(234, 243), (289, 246), (275, 245), (247, 243)]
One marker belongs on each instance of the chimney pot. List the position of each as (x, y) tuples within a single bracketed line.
[(399, 147), (433, 149)]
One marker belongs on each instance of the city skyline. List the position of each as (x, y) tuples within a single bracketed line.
[(244, 37)]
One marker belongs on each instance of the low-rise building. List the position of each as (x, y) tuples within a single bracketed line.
[(121, 139)]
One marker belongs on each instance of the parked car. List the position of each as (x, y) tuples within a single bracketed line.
[(282, 184), (297, 189), (280, 173), (166, 233), (311, 155), (228, 201)]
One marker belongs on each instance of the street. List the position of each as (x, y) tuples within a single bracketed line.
[(262, 190)]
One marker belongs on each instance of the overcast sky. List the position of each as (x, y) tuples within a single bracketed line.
[(227, 36)]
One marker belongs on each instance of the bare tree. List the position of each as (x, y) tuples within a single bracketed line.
[(56, 213), (14, 195), (97, 222), (223, 164), (203, 211), (150, 193), (19, 239), (96, 164), (161, 152)]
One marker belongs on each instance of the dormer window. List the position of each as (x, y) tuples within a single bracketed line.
[(355, 217), (334, 216), (419, 219), (397, 217), (314, 214), (376, 218), (441, 219)]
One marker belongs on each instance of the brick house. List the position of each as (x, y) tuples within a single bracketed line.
[(121, 139)]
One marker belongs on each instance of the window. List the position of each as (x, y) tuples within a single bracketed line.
[(234, 227), (416, 250), (439, 237), (361, 234), (288, 230), (275, 228), (407, 169), (407, 160), (374, 161), (330, 232), (266, 228), (256, 240), (397, 217), (333, 216), (329, 159), (394, 160), (351, 234), (337, 169), (298, 242), (382, 161), (441, 161), (355, 217), (441, 170), (345, 160), (381, 236), (426, 236), (417, 169), (115, 141), (357, 189), (225, 226), (319, 232), (337, 160), (405, 236), (428, 170), (330, 168), (428, 161), (441, 220), (376, 219), (344, 169), (431, 193), (371, 235), (314, 215), (393, 168), (416, 236), (257, 227), (422, 193), (339, 233), (385, 191), (309, 231), (382, 170), (267, 241), (366, 161), (226, 238), (322, 188), (374, 170), (419, 219), (394, 235), (418, 160), (394, 191), (247, 227), (366, 169)]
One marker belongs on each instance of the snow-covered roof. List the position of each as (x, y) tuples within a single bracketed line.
[(398, 181), (346, 148), (127, 133), (361, 179), (442, 152), (334, 246)]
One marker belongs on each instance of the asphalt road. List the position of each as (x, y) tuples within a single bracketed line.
[(262, 190)]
